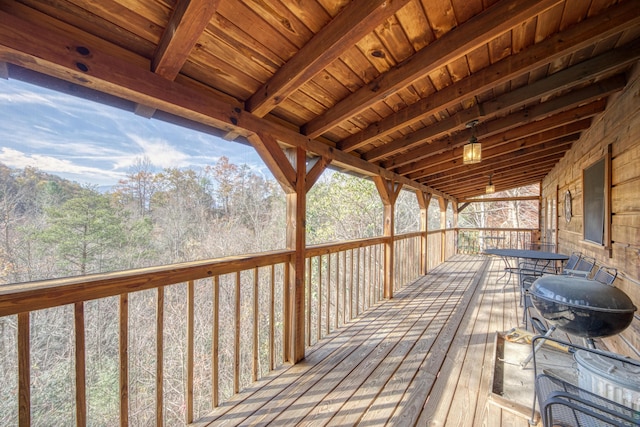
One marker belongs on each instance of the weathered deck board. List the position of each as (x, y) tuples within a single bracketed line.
[(423, 358)]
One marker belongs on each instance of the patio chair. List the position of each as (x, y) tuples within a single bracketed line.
[(606, 275), (582, 268), (563, 403)]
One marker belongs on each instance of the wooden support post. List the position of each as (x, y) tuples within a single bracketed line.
[(290, 170), (454, 205), (443, 227), (424, 199), (296, 239), (389, 191)]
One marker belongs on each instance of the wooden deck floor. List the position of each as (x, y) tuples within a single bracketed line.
[(423, 358)]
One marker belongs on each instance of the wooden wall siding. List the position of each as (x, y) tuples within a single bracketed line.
[(620, 127)]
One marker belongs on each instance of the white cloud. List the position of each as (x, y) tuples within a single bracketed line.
[(24, 97), (159, 152), (17, 159)]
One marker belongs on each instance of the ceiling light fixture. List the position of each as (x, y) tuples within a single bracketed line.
[(490, 188), (472, 150)]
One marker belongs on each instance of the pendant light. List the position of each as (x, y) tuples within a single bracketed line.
[(490, 188), (472, 150)]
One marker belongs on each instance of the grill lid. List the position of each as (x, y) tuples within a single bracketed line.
[(582, 293)]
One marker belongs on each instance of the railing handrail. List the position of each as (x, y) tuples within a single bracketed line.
[(327, 248), (494, 229), (21, 297)]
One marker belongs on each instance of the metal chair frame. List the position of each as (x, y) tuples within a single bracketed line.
[(606, 275), (559, 398), (582, 268)]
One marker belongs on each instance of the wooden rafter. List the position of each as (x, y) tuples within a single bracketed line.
[(474, 33), (188, 21), (557, 82), (356, 20), (413, 159), (619, 18)]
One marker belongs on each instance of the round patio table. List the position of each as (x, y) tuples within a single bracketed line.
[(536, 256)]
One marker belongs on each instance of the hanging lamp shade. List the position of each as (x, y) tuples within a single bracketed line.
[(472, 152), (490, 188)]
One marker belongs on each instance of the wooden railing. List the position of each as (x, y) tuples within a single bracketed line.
[(474, 240), (343, 280), (150, 346), (407, 253), (165, 345)]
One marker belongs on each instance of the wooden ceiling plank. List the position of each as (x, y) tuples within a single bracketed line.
[(352, 24), (513, 156), (501, 199), (570, 77), (446, 162), (478, 186), (448, 165), (552, 107), (556, 83), (505, 177), (614, 20), (477, 31), (30, 46)]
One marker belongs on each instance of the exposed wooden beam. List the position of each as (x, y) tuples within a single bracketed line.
[(477, 31), (388, 189), (506, 176), (614, 20), (513, 152), (556, 83), (30, 46), (500, 199), (510, 164), (356, 20), (274, 157), (530, 179), (188, 21), (442, 164), (316, 170), (531, 115)]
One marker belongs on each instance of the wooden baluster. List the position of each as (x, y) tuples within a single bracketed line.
[(272, 315), (190, 349), (215, 339), (24, 371), (160, 357), (236, 345), (319, 313), (256, 316), (81, 397), (124, 360)]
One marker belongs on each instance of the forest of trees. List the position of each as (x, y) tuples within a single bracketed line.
[(55, 228)]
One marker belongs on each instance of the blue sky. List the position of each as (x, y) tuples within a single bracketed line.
[(96, 144)]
